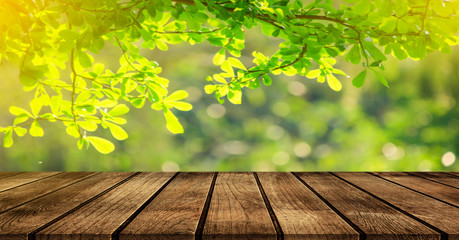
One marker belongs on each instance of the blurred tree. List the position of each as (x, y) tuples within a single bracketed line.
[(45, 37)]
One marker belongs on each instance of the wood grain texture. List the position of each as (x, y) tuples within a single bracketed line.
[(19, 222), (175, 212), (237, 210), (24, 193), (373, 217), (101, 217), (15, 180), (440, 177), (8, 174), (436, 190), (439, 215), (301, 214)]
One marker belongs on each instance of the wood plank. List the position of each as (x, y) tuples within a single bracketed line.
[(175, 212), (439, 191), (22, 194), (103, 216), (7, 174), (301, 214), (29, 218), (376, 219), (435, 213), (440, 177), (237, 210), (16, 180)]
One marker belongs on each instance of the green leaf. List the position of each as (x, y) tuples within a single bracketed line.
[(177, 95), (362, 7), (359, 80), (219, 58), (84, 59), (138, 102), (374, 52), (8, 139), (402, 27), (380, 78), (334, 83), (29, 77), (353, 55), (117, 132), (236, 63), (389, 24), (172, 123), (398, 51), (36, 130), (266, 80), (101, 145), (118, 110)]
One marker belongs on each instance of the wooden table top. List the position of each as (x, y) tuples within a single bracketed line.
[(243, 205)]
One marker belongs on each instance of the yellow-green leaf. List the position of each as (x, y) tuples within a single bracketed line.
[(210, 88), (182, 106), (334, 83), (178, 95), (389, 24), (157, 106), (172, 123), (226, 66), (235, 96), (36, 106), (236, 63), (99, 68), (36, 130), (18, 111), (119, 110), (88, 125), (20, 131), (101, 145), (313, 73), (117, 132), (8, 139), (161, 45), (219, 58), (219, 78)]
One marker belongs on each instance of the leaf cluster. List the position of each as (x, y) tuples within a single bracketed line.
[(46, 37)]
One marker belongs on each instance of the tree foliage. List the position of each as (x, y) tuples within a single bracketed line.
[(55, 44)]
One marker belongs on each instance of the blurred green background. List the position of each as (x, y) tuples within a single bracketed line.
[(296, 124)]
